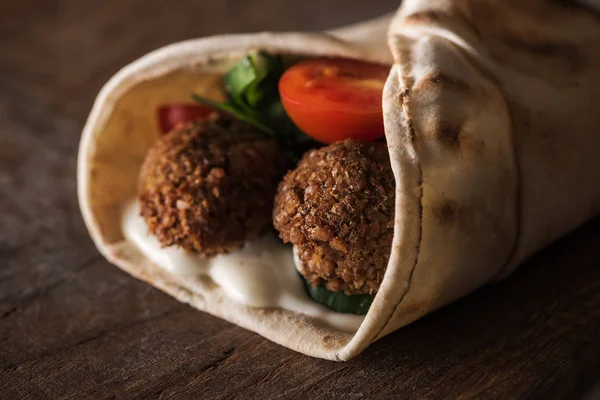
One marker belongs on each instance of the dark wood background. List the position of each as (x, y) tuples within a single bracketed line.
[(72, 325)]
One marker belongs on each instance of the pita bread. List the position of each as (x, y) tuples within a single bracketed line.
[(492, 137), (498, 144)]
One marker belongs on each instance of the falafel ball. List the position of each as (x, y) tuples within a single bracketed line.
[(337, 208), (208, 186)]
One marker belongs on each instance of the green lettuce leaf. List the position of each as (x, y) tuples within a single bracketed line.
[(253, 97)]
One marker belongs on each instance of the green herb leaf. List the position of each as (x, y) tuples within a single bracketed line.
[(239, 78), (253, 80), (253, 96), (232, 110)]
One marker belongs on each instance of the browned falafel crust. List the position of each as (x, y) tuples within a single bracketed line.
[(208, 186), (337, 208)]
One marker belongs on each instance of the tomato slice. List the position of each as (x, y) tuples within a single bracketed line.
[(170, 115), (333, 99)]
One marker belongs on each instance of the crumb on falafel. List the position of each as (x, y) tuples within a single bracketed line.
[(337, 208), (208, 186)]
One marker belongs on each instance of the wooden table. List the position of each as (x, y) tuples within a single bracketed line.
[(72, 325)]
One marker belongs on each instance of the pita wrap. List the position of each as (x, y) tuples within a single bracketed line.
[(492, 135)]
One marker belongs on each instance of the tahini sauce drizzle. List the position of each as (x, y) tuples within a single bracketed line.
[(261, 274)]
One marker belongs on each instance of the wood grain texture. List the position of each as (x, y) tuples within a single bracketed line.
[(73, 326)]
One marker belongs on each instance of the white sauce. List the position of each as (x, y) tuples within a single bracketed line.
[(261, 274)]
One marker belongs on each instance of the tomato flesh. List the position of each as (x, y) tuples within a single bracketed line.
[(333, 99), (171, 115)]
